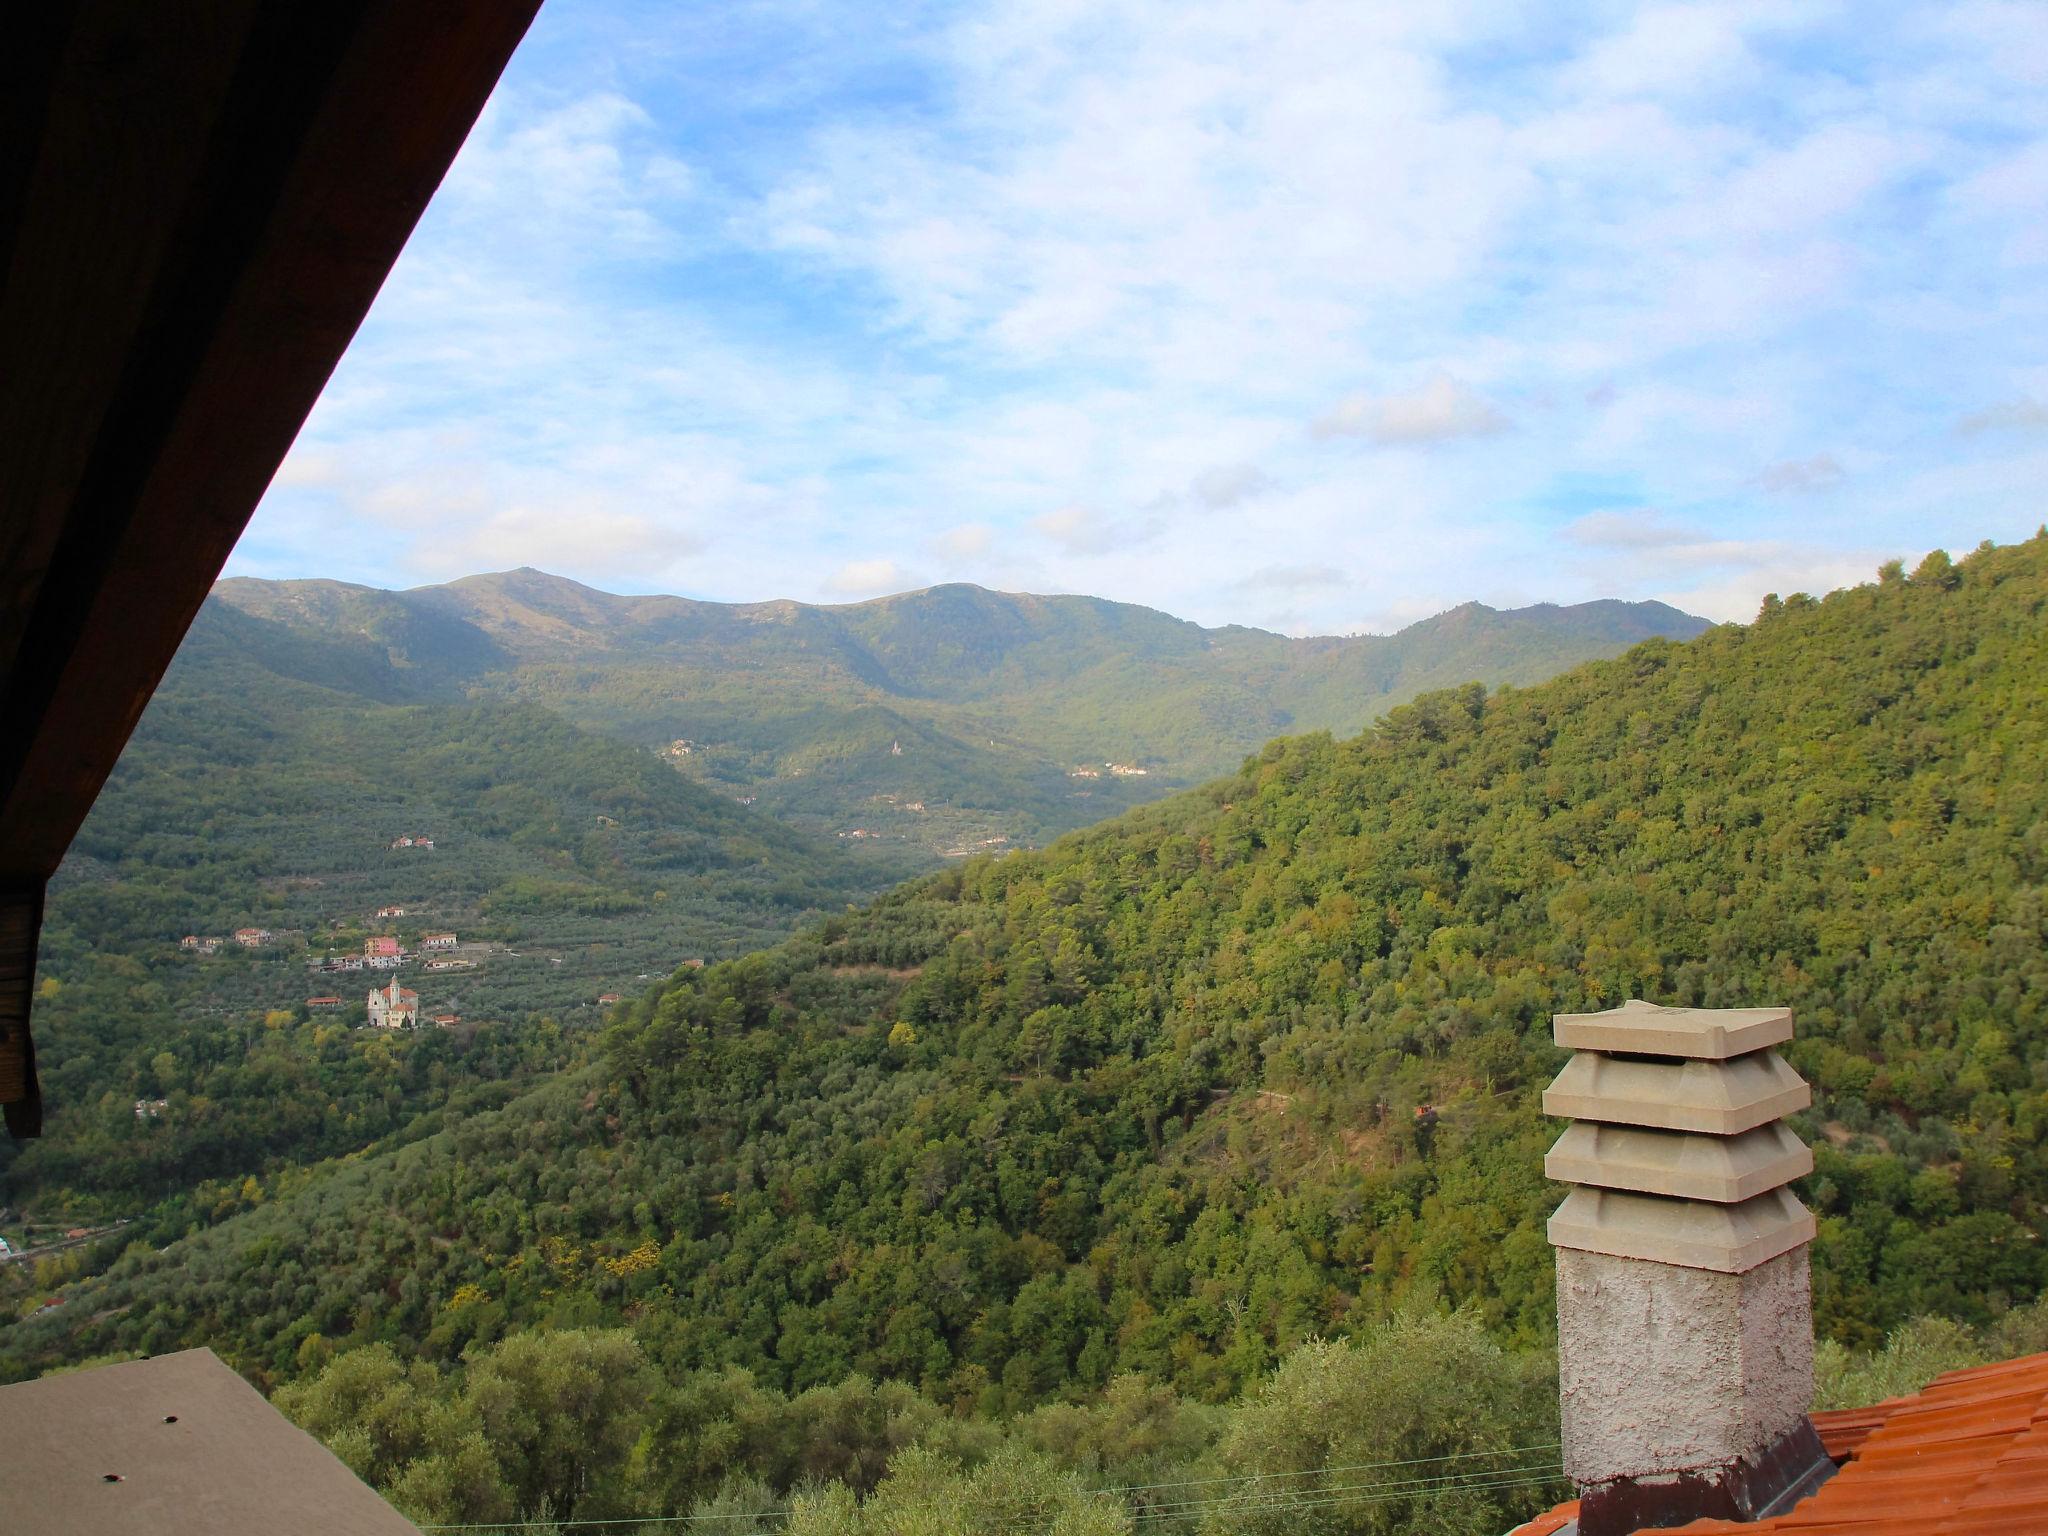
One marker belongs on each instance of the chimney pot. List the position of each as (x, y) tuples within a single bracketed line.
[(1684, 1307)]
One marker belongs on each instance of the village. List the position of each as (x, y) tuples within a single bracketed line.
[(403, 944)]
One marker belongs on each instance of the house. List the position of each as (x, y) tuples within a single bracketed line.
[(149, 1109), (1085, 773), (390, 912), (384, 945), (211, 944), (190, 941), (394, 1007), (424, 842), (606, 999), (455, 965), (344, 963), (323, 1002), (437, 941), (401, 842), (914, 805), (1127, 770), (447, 1020), (253, 938)]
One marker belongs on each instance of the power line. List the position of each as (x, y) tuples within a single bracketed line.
[(1253, 1499), (1356, 1466), (1255, 1493)]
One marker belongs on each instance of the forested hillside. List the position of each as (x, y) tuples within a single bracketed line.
[(265, 788), (1143, 1101), (937, 719)]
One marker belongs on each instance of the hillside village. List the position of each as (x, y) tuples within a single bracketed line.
[(388, 1005)]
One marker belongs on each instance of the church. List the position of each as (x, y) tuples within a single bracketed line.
[(394, 1007)]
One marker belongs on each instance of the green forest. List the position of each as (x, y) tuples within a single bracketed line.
[(1083, 1190)]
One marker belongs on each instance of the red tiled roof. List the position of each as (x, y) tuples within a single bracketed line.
[(1967, 1456)]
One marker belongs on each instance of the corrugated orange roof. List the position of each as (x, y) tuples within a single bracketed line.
[(1967, 1456)]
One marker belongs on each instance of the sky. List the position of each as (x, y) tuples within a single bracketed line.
[(1316, 317)]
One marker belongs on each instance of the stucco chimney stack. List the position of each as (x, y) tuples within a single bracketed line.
[(1684, 1308)]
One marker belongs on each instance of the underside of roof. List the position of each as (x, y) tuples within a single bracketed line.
[(197, 206)]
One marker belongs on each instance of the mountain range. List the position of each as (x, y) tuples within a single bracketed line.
[(531, 728), (1199, 1145), (1000, 714), (1198, 1105)]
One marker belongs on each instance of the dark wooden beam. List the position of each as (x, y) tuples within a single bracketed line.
[(200, 202)]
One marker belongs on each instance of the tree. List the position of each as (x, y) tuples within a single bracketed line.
[(1399, 1431)]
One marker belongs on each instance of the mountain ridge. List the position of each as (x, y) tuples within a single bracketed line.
[(1003, 708), (235, 589)]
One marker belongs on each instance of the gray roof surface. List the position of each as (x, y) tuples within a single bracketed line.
[(175, 1446)]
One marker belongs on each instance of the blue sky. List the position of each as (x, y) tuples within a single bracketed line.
[(1317, 317)]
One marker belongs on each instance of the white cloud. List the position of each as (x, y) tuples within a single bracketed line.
[(1292, 579), (1650, 553), (1821, 472), (589, 170), (1076, 529), (2026, 416), (1225, 485), (868, 578), (965, 541), (1441, 410), (559, 537), (1645, 528), (1666, 50), (750, 326)]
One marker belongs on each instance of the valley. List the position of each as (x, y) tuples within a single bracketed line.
[(584, 793), (1121, 1127)]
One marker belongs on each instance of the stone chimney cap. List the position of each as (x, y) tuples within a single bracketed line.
[(1647, 1029), (1731, 1239), (1721, 1098), (1724, 1169)]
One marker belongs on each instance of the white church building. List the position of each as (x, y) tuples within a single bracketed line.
[(394, 1007)]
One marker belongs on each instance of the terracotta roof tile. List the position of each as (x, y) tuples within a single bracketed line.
[(1966, 1456), (1554, 1520)]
